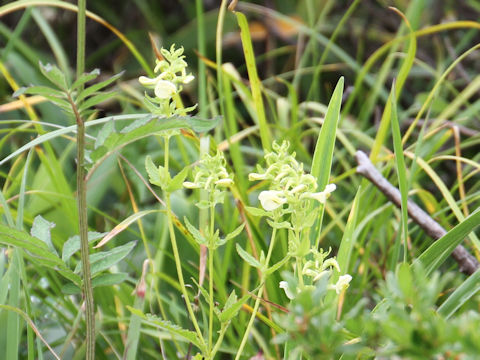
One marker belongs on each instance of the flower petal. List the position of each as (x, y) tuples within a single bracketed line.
[(165, 89), (271, 199)]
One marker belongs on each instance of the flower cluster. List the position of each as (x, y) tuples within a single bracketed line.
[(211, 175), (168, 83), (289, 184)]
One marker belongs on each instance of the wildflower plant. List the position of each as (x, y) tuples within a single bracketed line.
[(287, 205), (211, 176), (168, 84)]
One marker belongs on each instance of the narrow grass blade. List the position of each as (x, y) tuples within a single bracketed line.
[(460, 296), (348, 240), (254, 80), (402, 77), (436, 254), (323, 156), (402, 180)]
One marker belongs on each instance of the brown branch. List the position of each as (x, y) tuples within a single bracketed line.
[(466, 261)]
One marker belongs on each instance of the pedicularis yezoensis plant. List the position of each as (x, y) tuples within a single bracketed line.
[(286, 205)]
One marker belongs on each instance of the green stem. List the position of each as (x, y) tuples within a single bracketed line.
[(84, 250), (82, 194), (223, 330), (210, 276), (259, 298), (176, 255)]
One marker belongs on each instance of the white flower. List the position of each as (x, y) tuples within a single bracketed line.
[(190, 185), (284, 285), (323, 195), (342, 283), (165, 89), (188, 79), (224, 182), (271, 199), (255, 176)]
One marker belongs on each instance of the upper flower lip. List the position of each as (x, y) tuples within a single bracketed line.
[(271, 199)]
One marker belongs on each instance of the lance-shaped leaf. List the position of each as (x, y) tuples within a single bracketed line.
[(248, 258)]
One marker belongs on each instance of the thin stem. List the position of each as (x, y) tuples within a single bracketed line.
[(176, 255), (82, 194), (222, 332), (178, 266), (83, 228), (259, 298), (210, 276)]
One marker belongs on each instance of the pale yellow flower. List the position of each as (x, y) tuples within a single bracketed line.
[(271, 199)]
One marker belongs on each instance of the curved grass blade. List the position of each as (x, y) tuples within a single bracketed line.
[(436, 254), (460, 296), (402, 180), (254, 80)]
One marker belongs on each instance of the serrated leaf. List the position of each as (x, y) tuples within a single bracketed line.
[(84, 78), (200, 125), (230, 236), (101, 280), (135, 124), (279, 225), (232, 310), (153, 320), (55, 75), (177, 182), (197, 235), (96, 87), (72, 245), (41, 230), (107, 129), (248, 258), (39, 90), (153, 172), (105, 259), (36, 250), (256, 211), (277, 265), (97, 99)]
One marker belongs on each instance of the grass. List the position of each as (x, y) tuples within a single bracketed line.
[(401, 89)]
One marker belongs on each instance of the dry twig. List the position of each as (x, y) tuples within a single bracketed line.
[(466, 262)]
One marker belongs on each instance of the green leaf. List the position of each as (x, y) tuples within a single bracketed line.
[(104, 260), (248, 258), (152, 171), (94, 88), (256, 211), (97, 99), (279, 225), (200, 125), (277, 265), (104, 133), (101, 280), (36, 250), (402, 181), (84, 78), (55, 75), (173, 329), (41, 230), (232, 307), (39, 90), (460, 296), (230, 236), (436, 253), (72, 245), (255, 83), (348, 240), (323, 155), (197, 235), (177, 182)]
